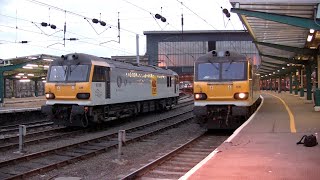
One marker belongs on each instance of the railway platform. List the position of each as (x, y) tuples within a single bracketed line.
[(264, 147), (22, 104)]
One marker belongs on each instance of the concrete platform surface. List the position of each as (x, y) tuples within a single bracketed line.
[(266, 146)]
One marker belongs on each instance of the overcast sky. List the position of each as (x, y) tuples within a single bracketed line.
[(20, 21)]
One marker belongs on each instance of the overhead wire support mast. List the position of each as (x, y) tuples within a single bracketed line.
[(119, 27), (196, 14)]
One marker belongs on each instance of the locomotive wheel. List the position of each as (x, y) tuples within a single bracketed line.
[(84, 121)]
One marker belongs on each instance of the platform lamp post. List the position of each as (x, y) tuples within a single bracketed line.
[(290, 77), (317, 90), (308, 77), (1, 88), (36, 88), (296, 83)]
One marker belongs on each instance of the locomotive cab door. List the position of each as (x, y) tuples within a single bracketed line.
[(107, 75), (102, 75)]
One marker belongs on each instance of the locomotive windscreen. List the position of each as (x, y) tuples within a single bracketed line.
[(221, 71), (70, 73)]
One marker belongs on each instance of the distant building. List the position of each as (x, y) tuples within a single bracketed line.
[(178, 50)]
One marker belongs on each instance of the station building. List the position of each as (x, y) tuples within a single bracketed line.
[(178, 50), (175, 50)]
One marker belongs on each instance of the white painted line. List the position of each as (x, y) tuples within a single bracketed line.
[(199, 165), (213, 153), (236, 132)]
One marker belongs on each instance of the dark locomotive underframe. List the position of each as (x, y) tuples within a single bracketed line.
[(83, 116), (224, 116)]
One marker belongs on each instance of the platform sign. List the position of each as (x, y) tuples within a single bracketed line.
[(154, 85)]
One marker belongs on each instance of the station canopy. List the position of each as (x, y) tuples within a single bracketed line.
[(33, 67), (286, 32)]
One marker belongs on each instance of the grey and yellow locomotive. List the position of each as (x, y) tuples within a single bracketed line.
[(226, 89), (83, 89)]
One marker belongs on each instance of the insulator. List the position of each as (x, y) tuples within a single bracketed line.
[(225, 11), (228, 15), (53, 26), (95, 21), (44, 24), (73, 39), (158, 16), (24, 42), (102, 23), (163, 19)]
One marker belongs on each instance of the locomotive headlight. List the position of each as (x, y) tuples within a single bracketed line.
[(50, 96), (200, 96), (242, 96), (83, 95)]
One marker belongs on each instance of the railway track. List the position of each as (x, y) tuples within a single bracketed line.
[(53, 134), (39, 137), (43, 123), (31, 164), (178, 162), (33, 125)]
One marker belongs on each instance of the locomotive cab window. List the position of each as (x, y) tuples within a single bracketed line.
[(58, 73), (72, 73), (233, 71), (78, 73), (221, 71), (99, 74), (169, 81), (208, 71)]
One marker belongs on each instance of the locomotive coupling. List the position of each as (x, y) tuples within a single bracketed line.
[(200, 110), (77, 110)]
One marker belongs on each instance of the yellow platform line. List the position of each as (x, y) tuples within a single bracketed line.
[(292, 122)]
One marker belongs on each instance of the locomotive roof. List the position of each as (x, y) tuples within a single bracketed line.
[(221, 56), (87, 59)]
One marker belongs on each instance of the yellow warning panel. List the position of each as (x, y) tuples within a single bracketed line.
[(154, 85)]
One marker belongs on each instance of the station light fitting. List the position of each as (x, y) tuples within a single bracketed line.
[(47, 59), (226, 12), (309, 38), (27, 67), (311, 31), (24, 80), (32, 65), (32, 57)]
